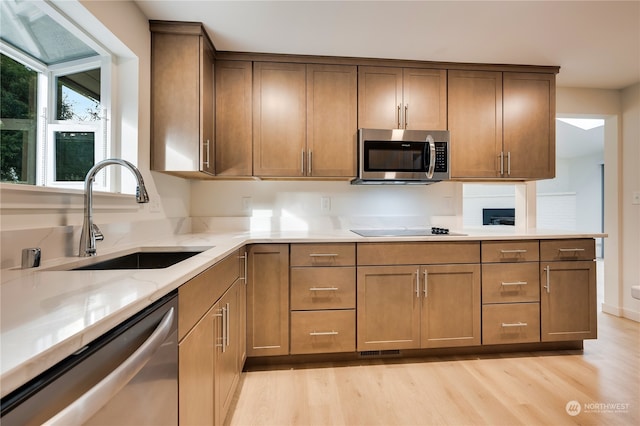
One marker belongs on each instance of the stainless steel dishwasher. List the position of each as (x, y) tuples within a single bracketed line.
[(129, 376)]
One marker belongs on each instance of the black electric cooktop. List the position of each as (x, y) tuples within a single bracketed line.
[(416, 232)]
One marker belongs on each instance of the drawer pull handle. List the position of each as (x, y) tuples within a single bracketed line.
[(514, 283), (323, 333), (570, 250), (323, 289), (323, 255), (514, 251), (547, 287), (514, 324)]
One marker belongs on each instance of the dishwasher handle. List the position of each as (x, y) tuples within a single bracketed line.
[(83, 408)]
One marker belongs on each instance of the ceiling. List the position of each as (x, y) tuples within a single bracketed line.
[(596, 43)]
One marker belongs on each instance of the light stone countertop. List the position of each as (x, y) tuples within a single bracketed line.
[(48, 313)]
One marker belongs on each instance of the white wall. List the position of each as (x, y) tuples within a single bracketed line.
[(300, 202)]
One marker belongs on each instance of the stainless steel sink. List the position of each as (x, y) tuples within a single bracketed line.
[(143, 258)]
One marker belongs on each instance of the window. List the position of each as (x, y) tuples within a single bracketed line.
[(55, 98)]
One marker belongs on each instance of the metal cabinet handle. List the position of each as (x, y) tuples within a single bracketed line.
[(323, 333), (323, 289), (398, 116), (83, 408), (323, 255), (224, 328), (509, 163), (302, 163), (515, 251), (426, 283), (501, 163), (205, 164), (418, 283), (309, 160), (505, 284), (406, 116), (548, 286), (246, 260), (227, 322), (514, 324), (570, 250)]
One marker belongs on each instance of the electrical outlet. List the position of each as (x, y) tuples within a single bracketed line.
[(325, 204), (246, 204), (636, 198)]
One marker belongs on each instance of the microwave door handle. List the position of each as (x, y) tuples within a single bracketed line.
[(432, 157)]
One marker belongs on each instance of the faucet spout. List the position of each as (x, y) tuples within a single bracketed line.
[(90, 232)]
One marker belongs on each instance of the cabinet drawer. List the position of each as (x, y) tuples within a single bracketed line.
[(323, 254), (510, 283), (418, 253), (570, 249), (323, 331), (510, 323), (323, 288), (510, 251)]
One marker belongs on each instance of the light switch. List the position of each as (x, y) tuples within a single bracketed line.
[(325, 204), (636, 198)]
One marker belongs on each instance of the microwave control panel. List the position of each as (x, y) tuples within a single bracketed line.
[(441, 157)]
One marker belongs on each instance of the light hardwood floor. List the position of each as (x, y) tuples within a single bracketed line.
[(522, 388)]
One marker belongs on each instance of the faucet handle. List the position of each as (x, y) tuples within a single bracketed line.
[(97, 233)]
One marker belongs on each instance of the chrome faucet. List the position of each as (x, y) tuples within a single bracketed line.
[(90, 231)]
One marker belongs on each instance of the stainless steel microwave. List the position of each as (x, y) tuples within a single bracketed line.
[(398, 156)]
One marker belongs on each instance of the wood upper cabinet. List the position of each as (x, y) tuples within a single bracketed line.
[(331, 121), (529, 114), (475, 123), (182, 99), (405, 98), (304, 120), (234, 134), (268, 300), (502, 125), (279, 119)]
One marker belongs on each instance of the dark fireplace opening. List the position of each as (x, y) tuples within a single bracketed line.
[(498, 216)]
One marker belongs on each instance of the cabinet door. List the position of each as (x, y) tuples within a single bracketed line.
[(379, 97), (233, 118), (425, 99), (207, 108), (268, 300), (568, 309), (279, 119), (529, 125), (388, 303), (227, 373), (450, 305), (332, 92), (196, 366), (475, 123)]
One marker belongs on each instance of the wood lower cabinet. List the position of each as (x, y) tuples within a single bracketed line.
[(211, 345), (323, 298), (268, 300), (413, 306), (450, 306), (568, 305), (182, 99)]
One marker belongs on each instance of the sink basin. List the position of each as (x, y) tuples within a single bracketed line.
[(141, 260)]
